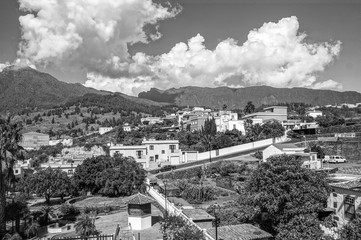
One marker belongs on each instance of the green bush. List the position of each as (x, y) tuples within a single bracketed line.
[(69, 210)]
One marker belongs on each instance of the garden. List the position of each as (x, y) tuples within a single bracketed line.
[(204, 185)]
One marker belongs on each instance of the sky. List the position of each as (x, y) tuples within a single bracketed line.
[(131, 46)]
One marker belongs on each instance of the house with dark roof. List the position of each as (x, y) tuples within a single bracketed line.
[(310, 159), (345, 200), (239, 232)]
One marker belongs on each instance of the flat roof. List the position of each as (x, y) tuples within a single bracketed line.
[(349, 184), (159, 141), (282, 146), (239, 232), (128, 147), (197, 214)]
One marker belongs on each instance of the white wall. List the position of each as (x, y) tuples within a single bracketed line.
[(172, 209), (239, 148)]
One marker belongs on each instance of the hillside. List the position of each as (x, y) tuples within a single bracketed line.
[(22, 88), (238, 97)]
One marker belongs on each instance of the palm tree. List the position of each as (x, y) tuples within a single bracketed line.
[(10, 150), (85, 226), (32, 229)]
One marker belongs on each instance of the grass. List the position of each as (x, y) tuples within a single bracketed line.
[(101, 201)]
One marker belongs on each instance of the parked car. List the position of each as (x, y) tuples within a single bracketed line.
[(167, 168), (335, 159)]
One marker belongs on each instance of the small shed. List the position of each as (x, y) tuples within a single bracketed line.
[(140, 211), (199, 217), (240, 232)]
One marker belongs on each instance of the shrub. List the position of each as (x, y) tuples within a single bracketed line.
[(67, 210)]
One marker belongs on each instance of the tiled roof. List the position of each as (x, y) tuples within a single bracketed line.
[(197, 214), (239, 232), (348, 184), (140, 199)]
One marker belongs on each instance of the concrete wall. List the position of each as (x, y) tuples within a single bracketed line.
[(172, 209), (240, 148), (338, 197)]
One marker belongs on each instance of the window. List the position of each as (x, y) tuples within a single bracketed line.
[(334, 204), (152, 158), (70, 172), (151, 147), (156, 157), (349, 203), (163, 151), (234, 126), (172, 148), (139, 154), (16, 171)]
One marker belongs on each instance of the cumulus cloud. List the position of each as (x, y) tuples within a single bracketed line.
[(329, 84), (276, 54), (94, 35), (90, 34)]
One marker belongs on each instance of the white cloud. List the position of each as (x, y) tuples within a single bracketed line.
[(275, 55), (329, 84), (4, 65), (90, 34), (94, 35)]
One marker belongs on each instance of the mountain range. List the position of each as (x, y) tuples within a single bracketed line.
[(26, 87), (22, 88), (238, 97)]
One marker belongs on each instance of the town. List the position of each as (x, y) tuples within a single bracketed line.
[(180, 120), (198, 167)]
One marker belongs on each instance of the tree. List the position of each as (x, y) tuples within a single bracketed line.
[(85, 226), (16, 210), (123, 180), (32, 229), (120, 135), (352, 230), (306, 227), (10, 150), (176, 228), (51, 183), (85, 175), (281, 190), (249, 108), (110, 176)]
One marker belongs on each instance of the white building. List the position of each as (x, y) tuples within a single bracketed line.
[(310, 158), (345, 200), (66, 141), (65, 166), (155, 153), (314, 113), (127, 127), (151, 120), (103, 130)]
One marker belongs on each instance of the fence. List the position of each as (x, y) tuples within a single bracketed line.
[(95, 237), (173, 210)]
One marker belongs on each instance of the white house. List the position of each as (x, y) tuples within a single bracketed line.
[(155, 153), (103, 130), (127, 127), (310, 158), (314, 113)]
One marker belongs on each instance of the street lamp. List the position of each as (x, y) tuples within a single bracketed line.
[(215, 211), (165, 182)]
